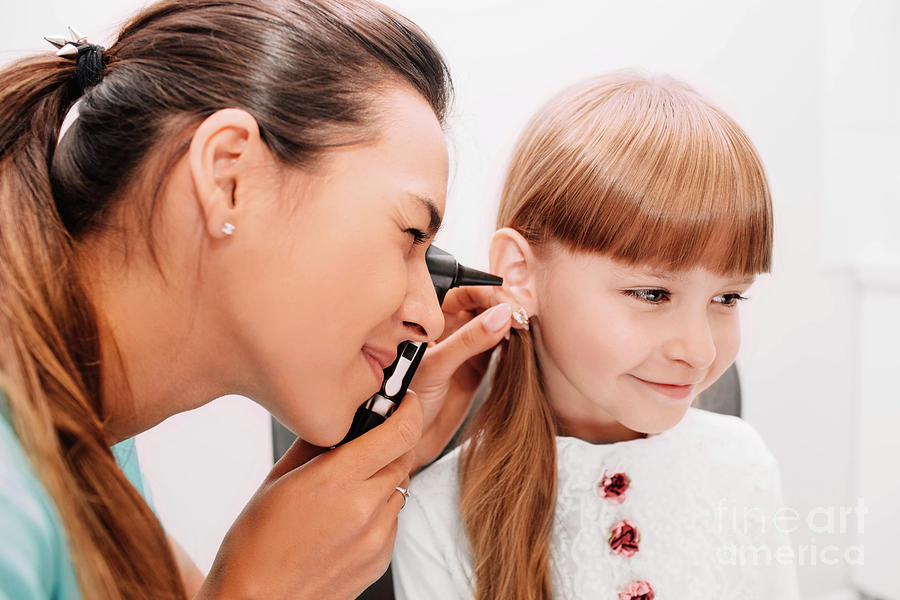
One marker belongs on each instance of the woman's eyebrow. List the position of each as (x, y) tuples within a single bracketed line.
[(435, 218)]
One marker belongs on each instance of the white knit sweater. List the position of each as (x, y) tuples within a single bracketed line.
[(703, 497)]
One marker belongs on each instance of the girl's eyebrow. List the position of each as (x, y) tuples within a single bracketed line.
[(652, 273), (666, 276), (676, 276)]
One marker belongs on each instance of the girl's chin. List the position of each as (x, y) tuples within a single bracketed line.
[(657, 423)]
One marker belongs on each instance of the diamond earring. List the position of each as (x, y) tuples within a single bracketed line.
[(521, 316), (227, 228)]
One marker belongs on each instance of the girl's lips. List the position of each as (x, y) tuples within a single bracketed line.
[(678, 392)]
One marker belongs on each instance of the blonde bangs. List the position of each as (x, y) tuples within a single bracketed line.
[(645, 171)]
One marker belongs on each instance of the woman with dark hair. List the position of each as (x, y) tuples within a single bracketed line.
[(235, 197)]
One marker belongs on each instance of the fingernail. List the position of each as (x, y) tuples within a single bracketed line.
[(498, 317)]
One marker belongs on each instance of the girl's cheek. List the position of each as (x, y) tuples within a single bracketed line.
[(637, 327), (727, 338)]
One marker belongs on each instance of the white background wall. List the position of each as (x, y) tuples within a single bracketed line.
[(815, 84)]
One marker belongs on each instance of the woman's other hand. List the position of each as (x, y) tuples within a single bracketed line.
[(322, 524)]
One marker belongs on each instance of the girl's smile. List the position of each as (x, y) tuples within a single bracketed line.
[(674, 391)]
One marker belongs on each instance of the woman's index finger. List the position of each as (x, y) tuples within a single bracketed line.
[(477, 298)]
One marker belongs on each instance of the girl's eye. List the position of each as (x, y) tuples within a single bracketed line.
[(418, 236), (653, 296), (729, 299)]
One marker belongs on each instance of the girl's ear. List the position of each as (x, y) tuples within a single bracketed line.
[(513, 259)]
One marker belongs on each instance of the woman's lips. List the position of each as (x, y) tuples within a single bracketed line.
[(377, 369), (678, 392)]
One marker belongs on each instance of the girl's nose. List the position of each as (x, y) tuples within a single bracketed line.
[(692, 342)]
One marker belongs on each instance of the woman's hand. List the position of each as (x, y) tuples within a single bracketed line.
[(322, 524), (453, 368)]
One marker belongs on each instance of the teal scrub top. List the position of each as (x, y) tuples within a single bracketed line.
[(34, 555)]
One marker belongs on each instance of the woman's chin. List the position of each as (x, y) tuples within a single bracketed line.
[(323, 433)]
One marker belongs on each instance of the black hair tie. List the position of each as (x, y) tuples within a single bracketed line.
[(90, 65), (88, 57)]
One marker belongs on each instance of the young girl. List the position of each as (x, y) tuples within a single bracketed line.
[(634, 217)]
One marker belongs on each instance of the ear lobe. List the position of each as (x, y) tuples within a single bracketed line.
[(221, 151), (513, 259)]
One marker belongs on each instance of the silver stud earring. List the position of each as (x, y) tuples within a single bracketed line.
[(227, 228), (521, 316)]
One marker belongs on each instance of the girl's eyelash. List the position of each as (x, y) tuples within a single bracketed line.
[(659, 296), (418, 236), (733, 299), (647, 295)]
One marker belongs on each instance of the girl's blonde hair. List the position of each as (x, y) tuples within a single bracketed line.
[(643, 170)]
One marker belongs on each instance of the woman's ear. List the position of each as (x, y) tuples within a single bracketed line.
[(223, 150), (513, 259)]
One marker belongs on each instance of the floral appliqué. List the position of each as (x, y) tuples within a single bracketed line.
[(637, 590), (624, 538), (614, 487)]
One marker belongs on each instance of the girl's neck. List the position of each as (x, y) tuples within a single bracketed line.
[(595, 431)]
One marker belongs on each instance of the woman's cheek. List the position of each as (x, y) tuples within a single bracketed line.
[(376, 292)]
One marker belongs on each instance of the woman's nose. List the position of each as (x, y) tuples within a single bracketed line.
[(421, 313), (692, 341)]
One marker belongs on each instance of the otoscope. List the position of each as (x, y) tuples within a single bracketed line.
[(446, 274)]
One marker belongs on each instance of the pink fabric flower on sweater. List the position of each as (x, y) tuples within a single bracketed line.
[(624, 538), (637, 590), (614, 487)]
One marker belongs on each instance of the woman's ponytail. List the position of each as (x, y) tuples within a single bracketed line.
[(49, 354)]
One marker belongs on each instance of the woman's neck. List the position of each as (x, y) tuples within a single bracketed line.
[(158, 357)]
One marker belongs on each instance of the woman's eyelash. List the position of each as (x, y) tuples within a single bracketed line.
[(419, 237)]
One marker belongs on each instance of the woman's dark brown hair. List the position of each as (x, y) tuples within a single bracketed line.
[(309, 71)]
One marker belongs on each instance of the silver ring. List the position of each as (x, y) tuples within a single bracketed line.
[(405, 493)]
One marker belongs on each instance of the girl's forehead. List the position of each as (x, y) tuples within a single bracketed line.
[(678, 276), (602, 263)]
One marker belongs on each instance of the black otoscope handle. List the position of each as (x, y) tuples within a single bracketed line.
[(396, 382)]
